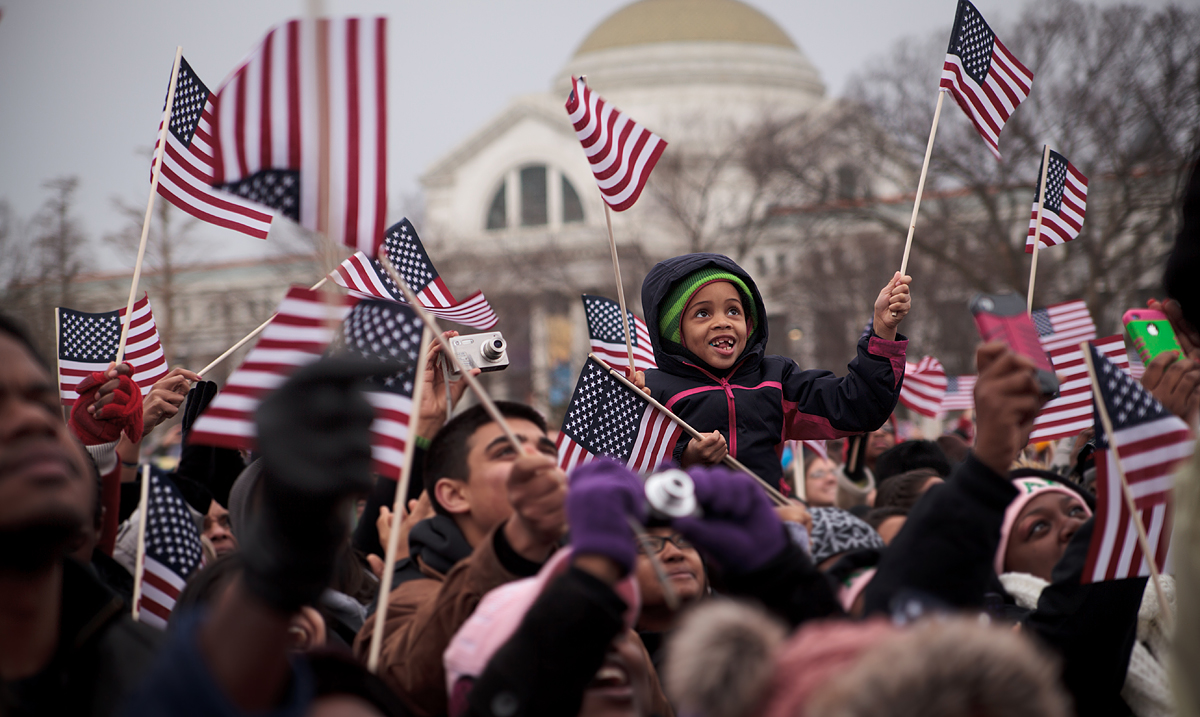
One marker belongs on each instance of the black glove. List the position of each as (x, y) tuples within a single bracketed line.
[(198, 399), (314, 435), (214, 468)]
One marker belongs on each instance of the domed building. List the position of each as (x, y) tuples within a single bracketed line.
[(514, 210)]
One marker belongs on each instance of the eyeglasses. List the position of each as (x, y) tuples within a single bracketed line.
[(657, 543)]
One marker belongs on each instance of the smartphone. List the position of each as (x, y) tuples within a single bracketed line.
[(1002, 317), (1150, 333)]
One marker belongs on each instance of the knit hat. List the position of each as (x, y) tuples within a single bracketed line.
[(670, 312), (1029, 487), (501, 611), (837, 531)]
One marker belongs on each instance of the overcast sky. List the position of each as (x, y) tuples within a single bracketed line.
[(82, 81)]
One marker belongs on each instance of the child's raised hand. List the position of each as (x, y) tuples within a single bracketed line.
[(708, 450), (639, 379), (892, 306)]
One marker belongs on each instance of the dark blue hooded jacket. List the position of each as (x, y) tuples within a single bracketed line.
[(764, 400)]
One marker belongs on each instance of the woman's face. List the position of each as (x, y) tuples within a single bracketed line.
[(621, 688), (820, 483), (1040, 536)]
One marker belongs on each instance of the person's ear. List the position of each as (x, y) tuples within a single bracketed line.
[(307, 630), (453, 495)]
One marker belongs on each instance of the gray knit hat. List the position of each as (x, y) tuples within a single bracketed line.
[(836, 531)]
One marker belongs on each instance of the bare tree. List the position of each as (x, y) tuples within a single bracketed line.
[(1116, 90)]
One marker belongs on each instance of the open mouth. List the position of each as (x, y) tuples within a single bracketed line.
[(723, 344), (612, 679)]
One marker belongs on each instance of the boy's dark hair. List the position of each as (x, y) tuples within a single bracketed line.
[(447, 454), (909, 455), (876, 517), (903, 491), (18, 331)]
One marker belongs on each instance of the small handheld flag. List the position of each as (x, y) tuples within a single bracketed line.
[(986, 80), (621, 151), (924, 386), (1064, 205), (88, 342), (607, 336)]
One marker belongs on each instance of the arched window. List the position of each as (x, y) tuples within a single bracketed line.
[(534, 195)]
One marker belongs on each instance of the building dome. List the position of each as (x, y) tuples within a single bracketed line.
[(653, 21), (692, 58)]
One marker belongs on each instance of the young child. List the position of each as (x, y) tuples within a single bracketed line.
[(708, 324)]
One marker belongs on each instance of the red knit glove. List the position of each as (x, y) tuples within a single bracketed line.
[(123, 414)]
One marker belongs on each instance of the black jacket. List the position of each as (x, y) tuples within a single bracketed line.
[(765, 400), (102, 655)]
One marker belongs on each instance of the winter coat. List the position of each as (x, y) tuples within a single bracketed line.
[(945, 552), (442, 583), (762, 400), (102, 655)]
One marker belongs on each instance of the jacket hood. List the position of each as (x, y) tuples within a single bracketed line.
[(672, 357), (439, 543)]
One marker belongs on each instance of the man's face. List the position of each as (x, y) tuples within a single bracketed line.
[(878, 442), (219, 529), (683, 566), (490, 456), (44, 473)]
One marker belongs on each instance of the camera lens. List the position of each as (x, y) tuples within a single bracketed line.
[(493, 350)]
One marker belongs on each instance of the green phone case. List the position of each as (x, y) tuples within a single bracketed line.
[(1152, 337)]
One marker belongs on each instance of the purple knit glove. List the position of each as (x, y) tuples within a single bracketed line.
[(602, 494), (739, 527)]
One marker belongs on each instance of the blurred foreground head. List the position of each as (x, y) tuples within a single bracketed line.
[(46, 483), (1184, 264), (731, 660)]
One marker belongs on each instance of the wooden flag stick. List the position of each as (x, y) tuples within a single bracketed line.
[(158, 157), (140, 564), (393, 542), (1037, 232), (432, 323), (612, 243), (1143, 542), (912, 224), (775, 495), (250, 336)]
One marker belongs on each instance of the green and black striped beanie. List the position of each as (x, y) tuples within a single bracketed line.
[(670, 314)]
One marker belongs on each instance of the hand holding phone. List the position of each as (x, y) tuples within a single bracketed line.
[(1150, 333), (1002, 317)]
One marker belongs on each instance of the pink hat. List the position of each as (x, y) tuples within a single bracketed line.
[(1030, 487), (853, 586), (500, 612)]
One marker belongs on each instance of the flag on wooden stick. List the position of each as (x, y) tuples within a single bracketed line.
[(188, 166), (1146, 444), (301, 126), (605, 418), (607, 336), (88, 342), (924, 386), (173, 551), (621, 151), (1064, 205), (986, 80), (366, 276)]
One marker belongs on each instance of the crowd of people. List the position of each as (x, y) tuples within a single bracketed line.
[(932, 577)]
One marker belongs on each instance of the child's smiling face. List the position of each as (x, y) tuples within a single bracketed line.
[(714, 324)]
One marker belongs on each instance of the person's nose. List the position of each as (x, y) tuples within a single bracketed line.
[(670, 553), (1069, 527)]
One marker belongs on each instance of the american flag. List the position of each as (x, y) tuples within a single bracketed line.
[(607, 336), (1071, 412), (88, 342), (299, 334), (308, 108), (1063, 325), (366, 275), (186, 178), (1064, 205), (605, 418), (987, 81), (1148, 442), (621, 151), (960, 394), (386, 331), (817, 447), (173, 551), (924, 386)]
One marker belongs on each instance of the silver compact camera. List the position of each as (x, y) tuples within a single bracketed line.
[(486, 352)]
